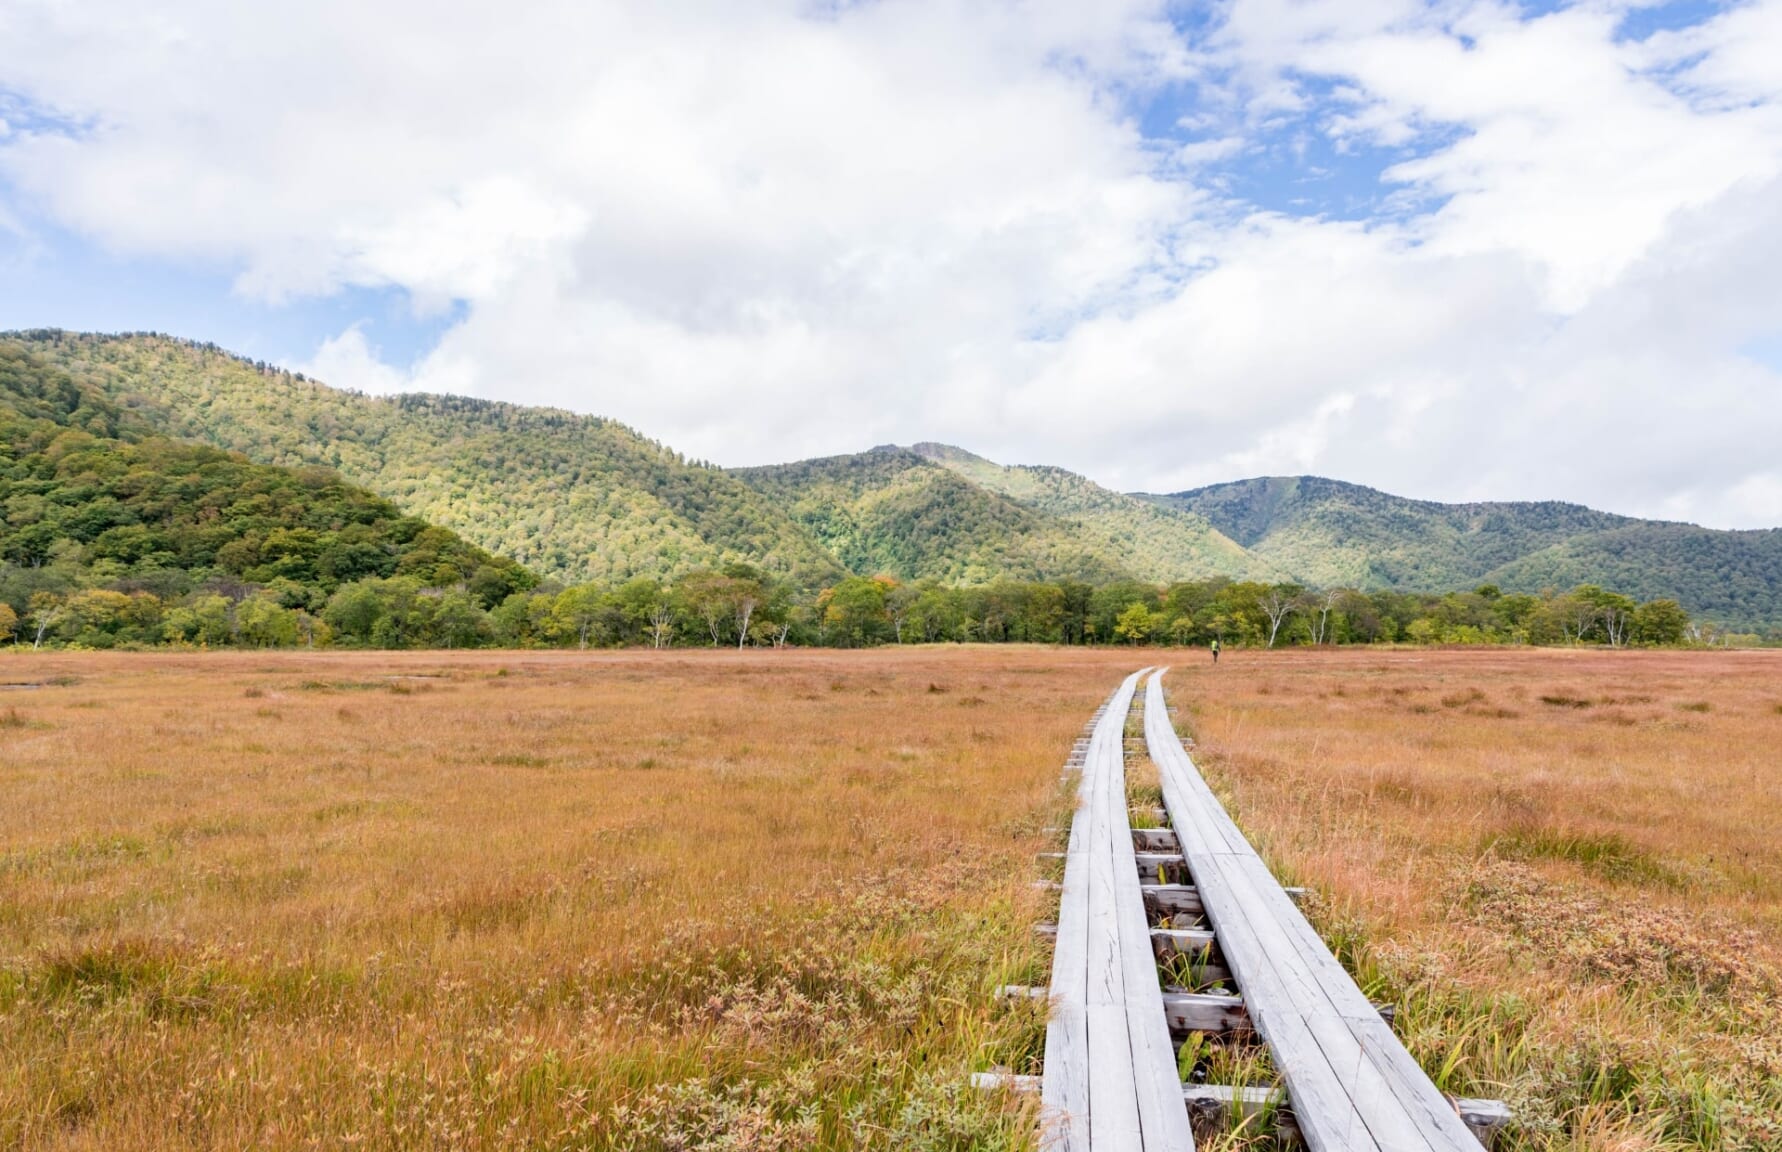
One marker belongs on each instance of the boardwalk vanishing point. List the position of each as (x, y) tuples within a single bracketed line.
[(1132, 897)]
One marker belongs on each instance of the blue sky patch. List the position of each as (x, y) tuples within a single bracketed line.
[(55, 279)]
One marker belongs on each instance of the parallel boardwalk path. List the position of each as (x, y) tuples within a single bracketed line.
[(1353, 1086), (1110, 1078), (1132, 898)]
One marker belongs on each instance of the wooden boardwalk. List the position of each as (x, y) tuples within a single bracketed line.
[(1110, 1082), (1110, 1074)]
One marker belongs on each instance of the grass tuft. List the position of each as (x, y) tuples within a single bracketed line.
[(1608, 855)]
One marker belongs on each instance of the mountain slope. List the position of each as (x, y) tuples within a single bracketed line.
[(89, 496), (1328, 533), (575, 497), (890, 510), (1731, 577), (1158, 542), (581, 498)]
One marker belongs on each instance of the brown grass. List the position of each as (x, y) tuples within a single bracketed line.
[(1566, 867), (501, 900), (759, 901)]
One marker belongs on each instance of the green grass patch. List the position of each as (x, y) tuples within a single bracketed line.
[(1607, 855), (394, 687), (107, 850)]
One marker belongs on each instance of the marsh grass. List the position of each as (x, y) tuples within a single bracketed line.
[(1578, 910), (1608, 855), (1236, 1062), (738, 901)]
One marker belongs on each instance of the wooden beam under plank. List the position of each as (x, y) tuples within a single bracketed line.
[(1211, 1104)]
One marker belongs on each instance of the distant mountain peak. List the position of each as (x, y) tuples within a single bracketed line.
[(948, 454)]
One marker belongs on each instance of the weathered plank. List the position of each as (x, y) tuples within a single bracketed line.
[(1156, 840), (1194, 941), (1109, 1082), (1212, 1103), (1353, 1085), (1182, 900), (1204, 1012), (1215, 1012)]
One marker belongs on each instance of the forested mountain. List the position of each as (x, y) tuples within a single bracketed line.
[(578, 498), (106, 518), (892, 511), (575, 497), (1731, 577), (1331, 534), (1154, 541)]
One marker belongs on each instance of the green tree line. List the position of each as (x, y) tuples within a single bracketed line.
[(112, 535), (740, 606)]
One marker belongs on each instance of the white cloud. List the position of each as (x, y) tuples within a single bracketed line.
[(768, 230), (349, 361)]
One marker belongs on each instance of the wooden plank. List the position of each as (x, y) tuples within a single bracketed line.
[(1156, 840), (1169, 941), (1354, 1084), (1391, 1092), (1171, 900), (1163, 1121), (1204, 1012), (1183, 900), (1109, 1082), (1218, 1012), (1113, 1093), (1065, 1092), (1211, 1103), (1345, 1098)]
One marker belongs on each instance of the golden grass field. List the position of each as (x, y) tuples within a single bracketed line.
[(1564, 866), (759, 900), (510, 900)]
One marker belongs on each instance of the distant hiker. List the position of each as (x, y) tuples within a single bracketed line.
[(1215, 651)]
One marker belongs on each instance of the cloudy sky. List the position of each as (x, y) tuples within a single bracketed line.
[(1461, 250)]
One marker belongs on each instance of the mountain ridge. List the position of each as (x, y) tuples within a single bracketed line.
[(1164, 543), (573, 496), (1335, 533), (576, 498)]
